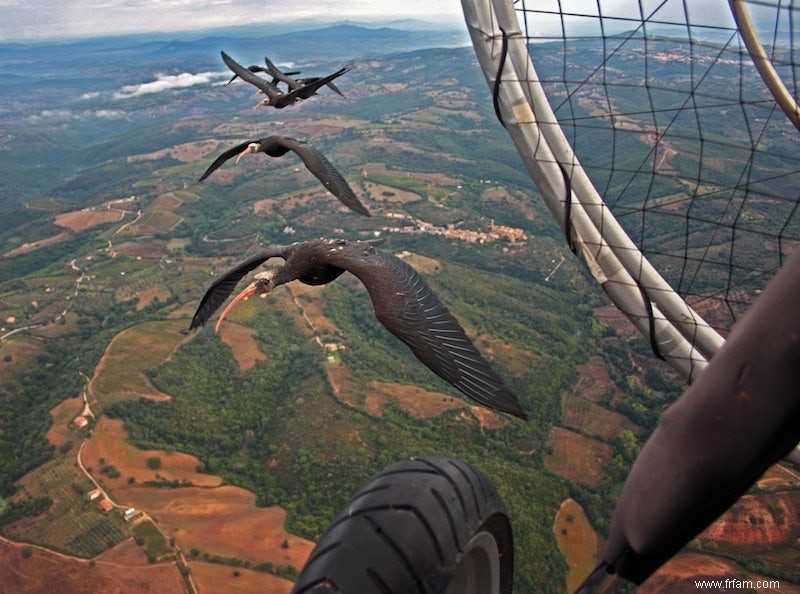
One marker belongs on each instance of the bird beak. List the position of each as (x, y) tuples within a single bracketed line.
[(251, 148), (251, 290)]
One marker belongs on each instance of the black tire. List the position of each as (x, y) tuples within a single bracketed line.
[(432, 525)]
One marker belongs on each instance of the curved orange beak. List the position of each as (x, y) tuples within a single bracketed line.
[(249, 291), (248, 150)]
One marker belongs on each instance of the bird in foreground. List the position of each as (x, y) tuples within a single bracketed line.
[(403, 302), (275, 97), (315, 162)]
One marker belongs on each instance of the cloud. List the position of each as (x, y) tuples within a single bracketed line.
[(166, 82)]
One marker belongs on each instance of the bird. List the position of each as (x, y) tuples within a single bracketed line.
[(275, 97), (256, 68), (291, 83), (315, 162), (403, 302)]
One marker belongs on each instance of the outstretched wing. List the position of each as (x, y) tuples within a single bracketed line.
[(231, 152), (224, 285), (325, 172), (269, 89), (408, 307)]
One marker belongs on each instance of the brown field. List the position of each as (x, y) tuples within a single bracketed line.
[(221, 521), (577, 541), (109, 442), (680, 573), (185, 153), (384, 193), (419, 403), (577, 458), (241, 339), (337, 378), (214, 578), (310, 299), (592, 419), (120, 371), (63, 415), (766, 518), (78, 220), (35, 245), (121, 570), (140, 249), (593, 380), (146, 297)]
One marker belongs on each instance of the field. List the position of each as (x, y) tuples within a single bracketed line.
[(73, 524), (119, 570), (243, 345), (679, 575), (109, 444), (575, 457), (63, 429), (221, 521), (419, 403), (216, 578), (577, 541), (79, 220), (120, 373)]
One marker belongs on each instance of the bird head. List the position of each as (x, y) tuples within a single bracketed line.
[(253, 147), (262, 284)]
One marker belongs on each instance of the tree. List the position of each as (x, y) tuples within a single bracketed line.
[(154, 462)]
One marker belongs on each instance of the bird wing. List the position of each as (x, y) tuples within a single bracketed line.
[(269, 89), (325, 172), (230, 153), (224, 285), (308, 89), (418, 318), (280, 75)]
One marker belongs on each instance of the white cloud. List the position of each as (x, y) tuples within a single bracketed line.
[(166, 82)]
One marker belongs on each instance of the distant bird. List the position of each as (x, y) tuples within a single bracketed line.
[(291, 83), (403, 303), (256, 68), (275, 97), (315, 162)]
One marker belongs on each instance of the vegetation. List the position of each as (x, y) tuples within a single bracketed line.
[(279, 429)]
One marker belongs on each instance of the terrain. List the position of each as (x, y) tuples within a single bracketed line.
[(236, 449)]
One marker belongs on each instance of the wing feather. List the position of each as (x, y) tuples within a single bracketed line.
[(422, 321)]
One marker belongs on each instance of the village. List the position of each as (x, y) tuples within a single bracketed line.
[(452, 230)]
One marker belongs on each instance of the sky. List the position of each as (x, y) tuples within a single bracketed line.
[(53, 19)]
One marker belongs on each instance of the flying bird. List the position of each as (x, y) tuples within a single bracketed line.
[(403, 302), (275, 97), (315, 162), (256, 68), (291, 83)]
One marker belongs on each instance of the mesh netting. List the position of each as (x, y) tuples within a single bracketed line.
[(679, 133)]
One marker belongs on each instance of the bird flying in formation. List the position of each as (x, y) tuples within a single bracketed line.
[(315, 162), (403, 302), (275, 97)]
